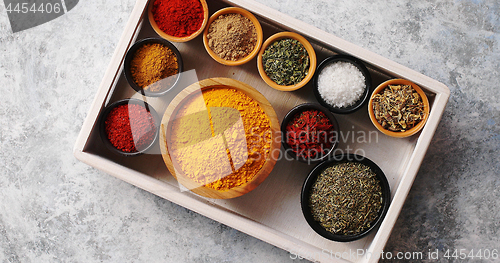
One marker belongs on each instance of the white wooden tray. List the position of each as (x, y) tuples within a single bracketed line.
[(272, 211)]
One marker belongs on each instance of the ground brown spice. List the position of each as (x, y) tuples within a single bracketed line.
[(151, 63), (232, 36)]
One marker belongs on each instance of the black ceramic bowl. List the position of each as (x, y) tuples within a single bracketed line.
[(311, 179), (104, 136), (368, 83), (289, 117), (169, 82)]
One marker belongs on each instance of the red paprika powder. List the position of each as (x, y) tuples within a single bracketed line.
[(310, 134), (130, 127), (179, 18)]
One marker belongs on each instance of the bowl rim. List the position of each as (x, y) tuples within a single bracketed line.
[(258, 29), (310, 180), (130, 54), (298, 109), (102, 125), (411, 131), (168, 37), (363, 100), (307, 46)]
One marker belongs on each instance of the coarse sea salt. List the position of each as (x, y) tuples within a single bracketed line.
[(341, 84)]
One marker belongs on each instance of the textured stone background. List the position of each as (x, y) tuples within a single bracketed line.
[(54, 208)]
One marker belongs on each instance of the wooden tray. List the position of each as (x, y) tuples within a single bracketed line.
[(272, 211)]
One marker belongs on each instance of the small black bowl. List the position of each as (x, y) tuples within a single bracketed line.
[(130, 56), (289, 117), (104, 116), (368, 83), (311, 179)]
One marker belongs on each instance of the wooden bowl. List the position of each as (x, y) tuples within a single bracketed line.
[(168, 37), (411, 131), (195, 90), (245, 13), (310, 51)]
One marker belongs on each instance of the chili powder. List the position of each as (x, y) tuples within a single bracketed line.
[(179, 18), (130, 127), (310, 134)]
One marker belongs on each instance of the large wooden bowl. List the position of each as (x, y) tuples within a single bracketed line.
[(195, 89)]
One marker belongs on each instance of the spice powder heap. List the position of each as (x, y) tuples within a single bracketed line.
[(232, 36), (178, 18), (152, 63), (346, 198), (130, 127), (220, 139), (398, 108)]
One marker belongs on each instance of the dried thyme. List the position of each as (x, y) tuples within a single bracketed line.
[(398, 108), (286, 62), (346, 198)]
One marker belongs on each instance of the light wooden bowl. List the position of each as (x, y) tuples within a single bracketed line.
[(245, 13), (195, 89), (310, 51), (411, 131), (174, 38)]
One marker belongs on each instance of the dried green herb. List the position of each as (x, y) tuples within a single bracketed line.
[(286, 62), (398, 108), (346, 198)]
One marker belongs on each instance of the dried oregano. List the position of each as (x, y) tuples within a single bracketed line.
[(398, 108), (286, 62), (346, 198)]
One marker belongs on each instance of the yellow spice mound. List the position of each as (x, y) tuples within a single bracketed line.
[(220, 138)]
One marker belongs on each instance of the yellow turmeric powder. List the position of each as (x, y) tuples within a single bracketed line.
[(152, 63), (220, 138)]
